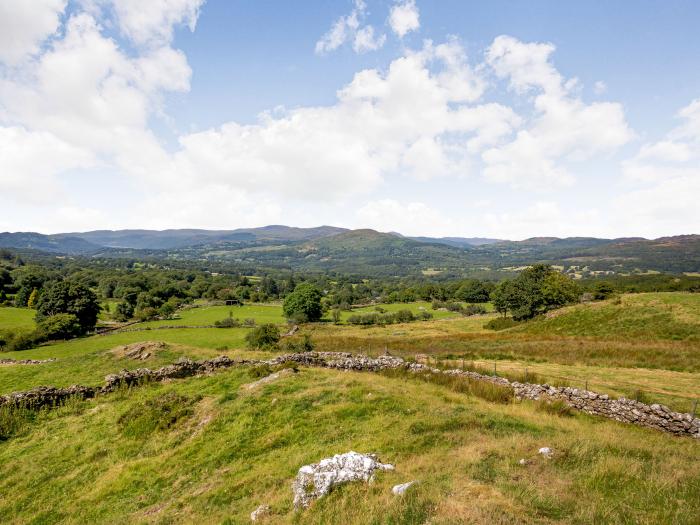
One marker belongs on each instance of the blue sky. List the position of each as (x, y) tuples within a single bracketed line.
[(502, 118)]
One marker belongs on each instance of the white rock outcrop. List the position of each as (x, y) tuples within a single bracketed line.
[(316, 480)]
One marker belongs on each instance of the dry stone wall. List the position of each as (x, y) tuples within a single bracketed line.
[(625, 410)]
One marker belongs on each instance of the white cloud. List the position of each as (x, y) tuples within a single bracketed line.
[(153, 21), (25, 24), (404, 17), (600, 87), (667, 178), (564, 130), (412, 218), (30, 162), (365, 40), (349, 28)]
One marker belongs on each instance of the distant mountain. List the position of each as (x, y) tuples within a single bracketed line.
[(170, 239), (459, 242), (370, 253), (47, 243)]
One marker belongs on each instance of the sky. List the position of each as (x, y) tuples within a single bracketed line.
[(496, 118)]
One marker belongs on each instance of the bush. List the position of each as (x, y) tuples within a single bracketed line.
[(264, 337), (229, 322), (147, 314), (305, 344), (474, 309), (258, 371), (59, 326), (501, 323)]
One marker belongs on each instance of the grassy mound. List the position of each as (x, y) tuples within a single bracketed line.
[(673, 316), (201, 451)]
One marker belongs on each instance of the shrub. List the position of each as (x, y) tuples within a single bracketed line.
[(249, 321), (59, 326), (265, 337), (229, 322), (501, 323), (305, 344), (147, 314), (258, 371), (474, 309)]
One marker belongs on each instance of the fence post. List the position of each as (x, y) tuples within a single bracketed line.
[(695, 406), (586, 388)]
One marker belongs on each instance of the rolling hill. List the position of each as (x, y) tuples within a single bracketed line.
[(371, 253)]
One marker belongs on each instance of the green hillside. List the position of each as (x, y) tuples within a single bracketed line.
[(640, 316), (202, 450)]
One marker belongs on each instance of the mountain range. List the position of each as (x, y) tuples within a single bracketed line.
[(372, 253)]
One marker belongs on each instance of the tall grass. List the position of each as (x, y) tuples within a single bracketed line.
[(492, 392)]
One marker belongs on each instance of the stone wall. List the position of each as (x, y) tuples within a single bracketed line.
[(626, 410)]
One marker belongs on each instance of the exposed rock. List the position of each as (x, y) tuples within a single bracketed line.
[(316, 480), (25, 361), (285, 372), (546, 452), (399, 490), (260, 512), (139, 351), (522, 462)]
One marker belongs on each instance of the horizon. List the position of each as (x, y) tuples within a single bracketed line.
[(426, 236), (494, 120)]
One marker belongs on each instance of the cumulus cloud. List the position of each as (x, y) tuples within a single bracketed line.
[(565, 129), (350, 28), (153, 22), (404, 18), (666, 175), (413, 119), (25, 25), (30, 161)]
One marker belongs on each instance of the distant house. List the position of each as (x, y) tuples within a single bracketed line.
[(234, 302)]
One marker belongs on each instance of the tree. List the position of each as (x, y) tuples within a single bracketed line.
[(536, 290), (66, 297), (33, 297), (59, 326), (124, 311), (473, 291), (304, 303), (265, 337), (602, 290)]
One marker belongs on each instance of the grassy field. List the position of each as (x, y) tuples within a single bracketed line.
[(228, 452), (208, 315), (16, 319)]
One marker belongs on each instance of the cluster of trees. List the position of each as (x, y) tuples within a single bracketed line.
[(534, 291), (64, 310)]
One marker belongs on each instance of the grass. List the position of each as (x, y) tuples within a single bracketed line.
[(88, 360), (208, 315), (226, 453), (674, 316), (16, 319)]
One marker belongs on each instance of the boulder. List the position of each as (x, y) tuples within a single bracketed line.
[(316, 480), (260, 512)]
